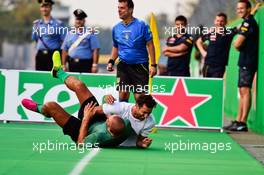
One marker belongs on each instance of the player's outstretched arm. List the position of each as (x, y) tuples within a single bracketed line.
[(143, 142), (89, 112)]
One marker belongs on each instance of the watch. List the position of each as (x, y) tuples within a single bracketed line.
[(111, 61), (154, 65)]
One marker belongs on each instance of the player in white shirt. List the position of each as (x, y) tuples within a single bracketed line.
[(138, 114)]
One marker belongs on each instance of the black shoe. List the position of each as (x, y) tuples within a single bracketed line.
[(233, 123), (240, 127)]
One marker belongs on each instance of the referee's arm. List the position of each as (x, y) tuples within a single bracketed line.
[(114, 53), (151, 50)]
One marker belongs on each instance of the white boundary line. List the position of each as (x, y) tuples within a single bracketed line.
[(85, 161)]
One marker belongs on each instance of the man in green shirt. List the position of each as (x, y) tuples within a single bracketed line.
[(100, 134), (90, 127)]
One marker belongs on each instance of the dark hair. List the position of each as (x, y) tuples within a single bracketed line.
[(248, 4), (130, 3), (221, 14), (147, 100), (181, 18)]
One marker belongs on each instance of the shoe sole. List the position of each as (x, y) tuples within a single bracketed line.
[(56, 59)]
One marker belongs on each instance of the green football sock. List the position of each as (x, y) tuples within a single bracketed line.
[(62, 75), (39, 108)]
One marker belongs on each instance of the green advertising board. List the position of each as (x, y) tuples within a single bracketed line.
[(182, 102)]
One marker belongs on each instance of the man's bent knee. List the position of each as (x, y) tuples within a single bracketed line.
[(49, 107), (80, 86)]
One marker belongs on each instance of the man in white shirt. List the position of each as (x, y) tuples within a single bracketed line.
[(138, 114)]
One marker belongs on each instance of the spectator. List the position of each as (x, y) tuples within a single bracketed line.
[(178, 49), (80, 47), (47, 41)]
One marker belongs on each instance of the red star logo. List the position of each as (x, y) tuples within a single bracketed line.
[(179, 104)]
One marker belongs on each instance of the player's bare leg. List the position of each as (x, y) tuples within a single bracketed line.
[(73, 83), (50, 110), (80, 89), (54, 110)]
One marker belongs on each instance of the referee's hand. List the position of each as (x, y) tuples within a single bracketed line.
[(152, 71), (110, 67)]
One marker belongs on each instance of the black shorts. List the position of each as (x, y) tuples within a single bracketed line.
[(43, 60), (79, 65), (73, 125), (246, 77), (213, 71), (132, 77)]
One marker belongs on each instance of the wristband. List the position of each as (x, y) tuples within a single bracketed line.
[(111, 61), (154, 65), (94, 65)]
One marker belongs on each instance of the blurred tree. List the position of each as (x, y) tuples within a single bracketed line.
[(205, 11), (162, 23), (16, 19), (105, 40)]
